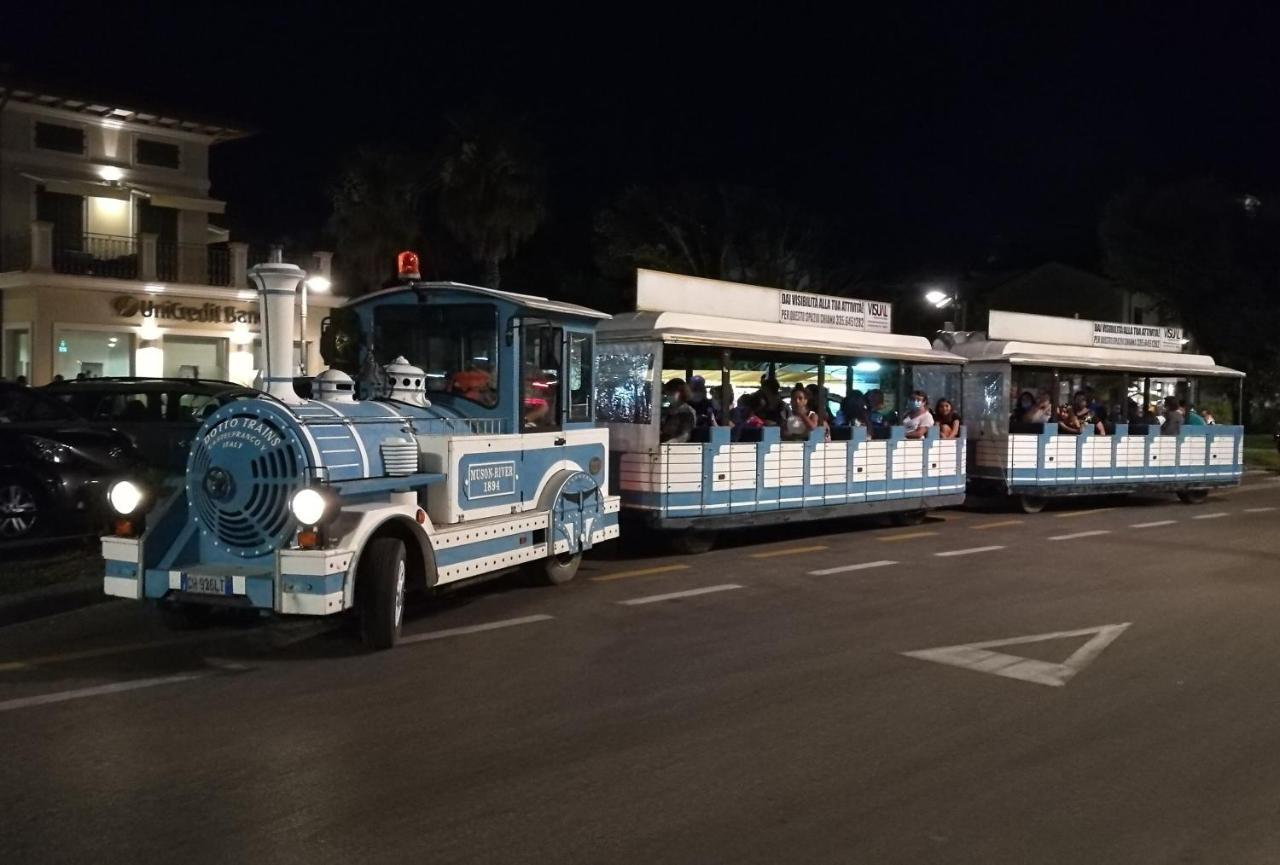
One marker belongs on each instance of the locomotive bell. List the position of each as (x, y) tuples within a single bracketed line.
[(407, 382)]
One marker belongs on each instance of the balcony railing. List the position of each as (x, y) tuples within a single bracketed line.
[(95, 255), (145, 258)]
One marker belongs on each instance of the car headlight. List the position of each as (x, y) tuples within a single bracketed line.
[(309, 506), (125, 497)]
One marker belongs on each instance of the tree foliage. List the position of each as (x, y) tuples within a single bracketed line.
[(376, 212), (721, 231), (490, 184), (1215, 262)]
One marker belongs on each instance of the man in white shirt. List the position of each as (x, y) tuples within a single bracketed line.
[(918, 419)]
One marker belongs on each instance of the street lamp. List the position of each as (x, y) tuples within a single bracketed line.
[(318, 283), (941, 299)]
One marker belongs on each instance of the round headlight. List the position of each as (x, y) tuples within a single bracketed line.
[(308, 506), (125, 496)]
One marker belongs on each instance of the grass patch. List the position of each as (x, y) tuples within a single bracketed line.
[(1260, 452)]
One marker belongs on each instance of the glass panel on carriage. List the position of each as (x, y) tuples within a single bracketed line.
[(624, 391), (455, 344)]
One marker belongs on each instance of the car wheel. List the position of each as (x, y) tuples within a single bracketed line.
[(380, 582), (23, 513)]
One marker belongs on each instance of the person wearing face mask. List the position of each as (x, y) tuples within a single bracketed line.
[(917, 421), (1026, 402)]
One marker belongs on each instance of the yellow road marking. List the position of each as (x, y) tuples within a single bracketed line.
[(772, 553), (1065, 514), (997, 525), (642, 572), (905, 536)]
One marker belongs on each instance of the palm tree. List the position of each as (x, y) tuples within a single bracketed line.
[(377, 204), (491, 190)]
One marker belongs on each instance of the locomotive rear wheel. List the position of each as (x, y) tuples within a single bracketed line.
[(555, 570), (380, 582)]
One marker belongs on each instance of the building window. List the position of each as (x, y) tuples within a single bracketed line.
[(64, 139), (92, 353), (17, 353), (158, 153), (195, 357)]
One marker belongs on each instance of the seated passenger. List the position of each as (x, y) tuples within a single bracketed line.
[(1173, 420), (771, 408), (853, 409), (722, 407), (704, 411), (1208, 418), (1085, 414), (802, 420), (918, 419), (875, 408), (1041, 412), (1190, 416), (1026, 402), (678, 419), (1068, 423), (948, 422)]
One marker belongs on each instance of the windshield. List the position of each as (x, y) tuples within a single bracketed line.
[(456, 345)]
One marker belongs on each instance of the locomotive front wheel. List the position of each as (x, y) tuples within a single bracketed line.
[(380, 581), (555, 570), (1192, 497)]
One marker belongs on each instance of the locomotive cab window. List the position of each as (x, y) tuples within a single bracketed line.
[(579, 385), (455, 344), (541, 387)]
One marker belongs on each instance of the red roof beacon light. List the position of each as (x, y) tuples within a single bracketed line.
[(407, 265)]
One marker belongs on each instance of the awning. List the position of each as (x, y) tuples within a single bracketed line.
[(184, 202), (87, 188)]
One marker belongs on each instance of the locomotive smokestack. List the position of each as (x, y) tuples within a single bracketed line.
[(277, 284)]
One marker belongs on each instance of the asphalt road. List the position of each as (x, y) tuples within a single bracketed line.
[(772, 718)]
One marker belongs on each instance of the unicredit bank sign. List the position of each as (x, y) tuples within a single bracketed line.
[(179, 311)]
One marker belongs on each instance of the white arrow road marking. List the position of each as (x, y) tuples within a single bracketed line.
[(974, 656)]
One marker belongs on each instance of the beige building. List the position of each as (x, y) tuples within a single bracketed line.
[(109, 264)]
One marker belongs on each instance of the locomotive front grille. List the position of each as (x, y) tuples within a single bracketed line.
[(241, 476)]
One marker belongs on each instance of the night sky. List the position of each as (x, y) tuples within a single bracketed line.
[(941, 135)]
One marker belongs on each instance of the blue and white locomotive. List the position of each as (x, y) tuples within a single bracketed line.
[(452, 436)]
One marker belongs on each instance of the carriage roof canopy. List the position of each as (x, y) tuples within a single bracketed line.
[(689, 310), (1043, 340)]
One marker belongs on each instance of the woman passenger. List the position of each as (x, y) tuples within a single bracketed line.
[(947, 421), (802, 419), (1068, 423), (917, 421), (1085, 413)]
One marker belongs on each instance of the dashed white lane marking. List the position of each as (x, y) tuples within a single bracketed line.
[(475, 629), (845, 568), (1075, 535), (1210, 516), (1152, 525), (1257, 510), (688, 593), (969, 551), (96, 691)]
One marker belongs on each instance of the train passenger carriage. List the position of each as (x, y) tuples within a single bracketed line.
[(1121, 374), (735, 338)]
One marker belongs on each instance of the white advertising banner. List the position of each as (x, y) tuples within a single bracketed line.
[(829, 310), (1146, 337)]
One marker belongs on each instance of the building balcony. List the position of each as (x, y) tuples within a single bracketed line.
[(44, 249)]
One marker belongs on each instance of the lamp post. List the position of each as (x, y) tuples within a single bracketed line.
[(942, 298), (320, 283)]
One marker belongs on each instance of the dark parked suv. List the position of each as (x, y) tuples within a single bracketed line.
[(159, 415), (54, 467)]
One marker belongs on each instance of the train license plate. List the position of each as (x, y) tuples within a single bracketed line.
[(202, 584)]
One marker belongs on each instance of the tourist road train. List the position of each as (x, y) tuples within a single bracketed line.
[(461, 431)]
